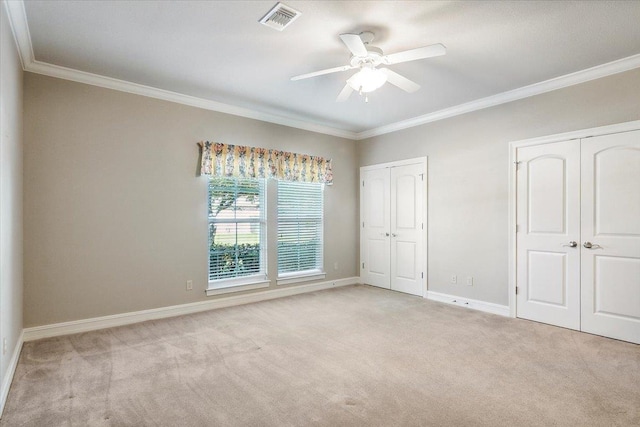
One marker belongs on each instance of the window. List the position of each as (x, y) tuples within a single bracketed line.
[(300, 218), (236, 231)]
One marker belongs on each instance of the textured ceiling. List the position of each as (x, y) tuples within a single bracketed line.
[(217, 50)]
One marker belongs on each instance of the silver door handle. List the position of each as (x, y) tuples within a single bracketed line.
[(384, 234), (590, 245), (571, 244), (394, 235)]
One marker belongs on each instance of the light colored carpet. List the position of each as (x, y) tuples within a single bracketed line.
[(349, 356)]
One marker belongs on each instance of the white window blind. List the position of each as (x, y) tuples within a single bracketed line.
[(300, 218), (236, 228)]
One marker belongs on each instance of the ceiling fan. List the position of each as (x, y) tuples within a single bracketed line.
[(367, 58)]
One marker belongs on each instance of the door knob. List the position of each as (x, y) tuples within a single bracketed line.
[(572, 244), (386, 234), (394, 235), (590, 245)]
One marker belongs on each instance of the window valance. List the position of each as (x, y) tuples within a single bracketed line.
[(253, 162)]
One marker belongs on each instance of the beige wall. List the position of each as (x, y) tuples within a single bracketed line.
[(115, 218), (469, 174), (10, 195)]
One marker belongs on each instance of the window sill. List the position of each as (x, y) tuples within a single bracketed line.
[(216, 288), (297, 278)]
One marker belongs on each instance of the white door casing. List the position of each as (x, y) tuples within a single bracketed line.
[(375, 247), (610, 179), (548, 233), (407, 193)]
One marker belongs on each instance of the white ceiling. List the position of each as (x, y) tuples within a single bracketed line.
[(217, 50)]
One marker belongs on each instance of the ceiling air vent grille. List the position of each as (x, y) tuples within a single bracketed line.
[(280, 17)]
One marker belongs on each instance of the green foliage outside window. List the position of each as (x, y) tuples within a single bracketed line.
[(230, 261), (234, 227)]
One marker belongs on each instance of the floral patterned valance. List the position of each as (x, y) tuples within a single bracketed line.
[(252, 162)]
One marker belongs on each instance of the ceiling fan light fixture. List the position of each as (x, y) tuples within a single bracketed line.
[(367, 79)]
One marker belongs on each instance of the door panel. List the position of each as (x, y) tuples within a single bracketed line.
[(548, 218), (405, 188), (616, 290), (610, 177), (377, 198), (378, 259), (375, 248), (406, 260), (547, 278), (547, 208), (617, 206), (407, 199)]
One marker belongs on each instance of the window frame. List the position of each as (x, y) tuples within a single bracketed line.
[(249, 281), (291, 277)]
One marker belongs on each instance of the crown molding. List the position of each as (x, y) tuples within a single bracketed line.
[(20, 27), (599, 71), (152, 92)]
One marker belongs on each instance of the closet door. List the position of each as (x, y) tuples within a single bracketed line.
[(548, 233), (407, 199), (375, 240), (611, 235), (392, 211)]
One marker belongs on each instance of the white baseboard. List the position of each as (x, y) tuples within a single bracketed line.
[(488, 307), (95, 323), (11, 370)]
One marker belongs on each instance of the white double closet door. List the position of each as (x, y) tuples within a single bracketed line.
[(578, 234), (392, 239)]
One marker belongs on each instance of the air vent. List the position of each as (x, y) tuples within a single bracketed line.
[(280, 17)]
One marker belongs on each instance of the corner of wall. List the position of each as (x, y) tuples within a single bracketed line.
[(11, 213), (7, 378)]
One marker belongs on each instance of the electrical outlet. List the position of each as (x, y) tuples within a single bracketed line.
[(469, 280), (454, 279), (4, 346), (189, 285)]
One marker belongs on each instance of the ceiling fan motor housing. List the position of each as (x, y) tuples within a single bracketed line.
[(374, 57)]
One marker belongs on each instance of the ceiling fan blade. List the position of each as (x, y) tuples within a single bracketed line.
[(322, 72), (413, 54), (400, 81), (345, 93), (355, 44)]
